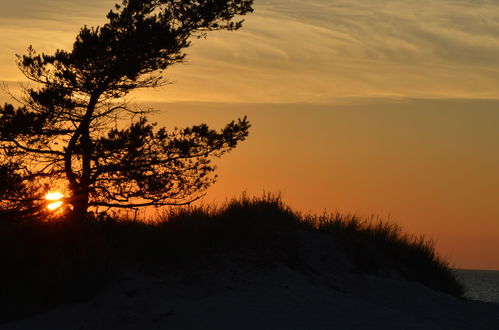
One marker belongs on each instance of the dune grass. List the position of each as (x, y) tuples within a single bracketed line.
[(377, 247), (48, 263)]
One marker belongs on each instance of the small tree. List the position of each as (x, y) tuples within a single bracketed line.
[(67, 127)]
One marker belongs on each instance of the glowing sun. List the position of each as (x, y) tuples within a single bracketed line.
[(55, 197)]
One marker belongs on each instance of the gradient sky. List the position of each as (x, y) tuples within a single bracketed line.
[(371, 106)]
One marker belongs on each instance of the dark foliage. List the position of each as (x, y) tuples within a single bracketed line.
[(18, 196), (378, 247), (63, 132)]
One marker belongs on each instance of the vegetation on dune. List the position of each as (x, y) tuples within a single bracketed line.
[(53, 262), (375, 246)]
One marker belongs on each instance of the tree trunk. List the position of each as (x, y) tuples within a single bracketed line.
[(80, 186), (80, 204)]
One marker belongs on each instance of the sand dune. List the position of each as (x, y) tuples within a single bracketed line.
[(267, 299)]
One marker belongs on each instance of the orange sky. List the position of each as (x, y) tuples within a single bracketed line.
[(372, 107)]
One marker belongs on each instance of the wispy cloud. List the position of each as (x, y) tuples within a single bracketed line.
[(315, 51), (45, 24), (33, 12)]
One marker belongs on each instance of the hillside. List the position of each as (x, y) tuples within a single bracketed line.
[(252, 263)]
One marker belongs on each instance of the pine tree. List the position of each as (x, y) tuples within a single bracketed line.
[(66, 129)]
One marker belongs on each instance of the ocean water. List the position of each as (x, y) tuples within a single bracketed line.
[(481, 285)]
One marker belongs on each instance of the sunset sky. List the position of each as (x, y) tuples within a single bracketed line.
[(375, 107)]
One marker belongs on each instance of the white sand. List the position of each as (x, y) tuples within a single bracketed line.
[(277, 299), (231, 295)]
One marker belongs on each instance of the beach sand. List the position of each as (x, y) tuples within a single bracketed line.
[(277, 298)]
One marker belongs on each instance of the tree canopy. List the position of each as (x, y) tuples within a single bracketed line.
[(66, 129)]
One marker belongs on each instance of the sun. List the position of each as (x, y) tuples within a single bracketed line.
[(56, 197)]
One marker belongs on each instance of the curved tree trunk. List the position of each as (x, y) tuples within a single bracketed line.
[(80, 186), (80, 204)]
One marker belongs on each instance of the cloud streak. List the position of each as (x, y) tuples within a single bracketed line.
[(317, 51)]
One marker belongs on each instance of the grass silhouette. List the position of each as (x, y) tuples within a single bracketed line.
[(49, 263)]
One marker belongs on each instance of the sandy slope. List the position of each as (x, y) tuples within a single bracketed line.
[(273, 299)]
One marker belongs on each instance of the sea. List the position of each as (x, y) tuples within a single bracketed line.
[(482, 285)]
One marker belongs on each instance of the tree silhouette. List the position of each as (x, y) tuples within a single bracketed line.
[(67, 128)]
